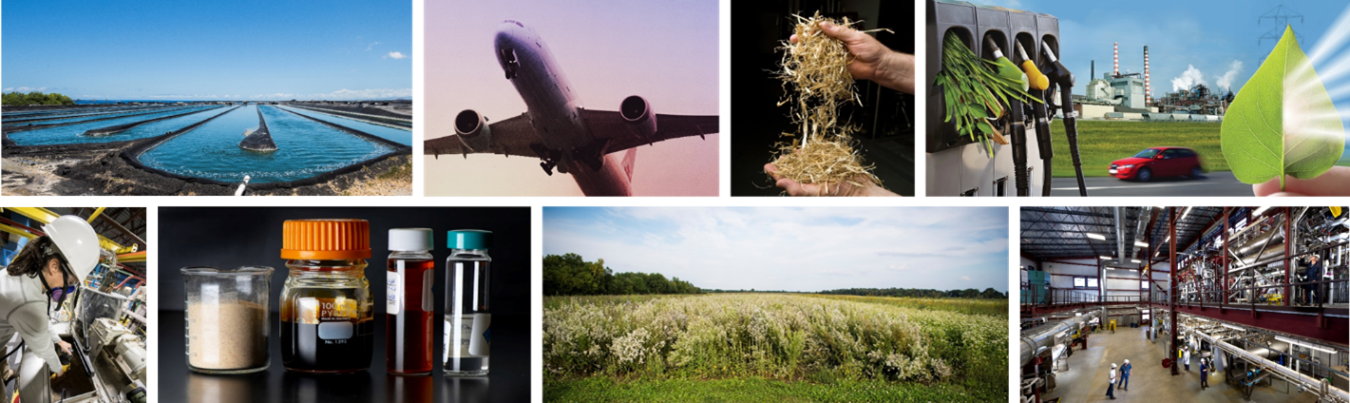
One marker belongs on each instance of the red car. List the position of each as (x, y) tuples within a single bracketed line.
[(1158, 161)]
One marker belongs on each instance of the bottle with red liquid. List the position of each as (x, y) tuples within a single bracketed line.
[(409, 303)]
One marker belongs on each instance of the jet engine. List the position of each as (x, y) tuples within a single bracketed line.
[(473, 130), (640, 119)]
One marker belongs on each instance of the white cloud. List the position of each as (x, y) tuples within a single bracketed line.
[(343, 94), (1188, 79), (1225, 82), (808, 248), (372, 45), (967, 278), (898, 267), (395, 55), (26, 89)]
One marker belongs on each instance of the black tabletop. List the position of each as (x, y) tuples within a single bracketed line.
[(509, 380)]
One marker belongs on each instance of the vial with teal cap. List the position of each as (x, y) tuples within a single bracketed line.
[(467, 335)]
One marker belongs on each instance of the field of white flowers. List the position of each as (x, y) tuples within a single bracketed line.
[(775, 336)]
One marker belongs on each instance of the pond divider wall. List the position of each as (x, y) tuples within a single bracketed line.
[(355, 132), (259, 140), (28, 127), (110, 130), (132, 156)]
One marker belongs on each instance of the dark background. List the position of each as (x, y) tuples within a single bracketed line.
[(886, 117), (231, 237)]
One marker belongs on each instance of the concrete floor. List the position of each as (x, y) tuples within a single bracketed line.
[(1085, 379)]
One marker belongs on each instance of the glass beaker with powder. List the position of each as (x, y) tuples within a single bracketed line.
[(227, 320)]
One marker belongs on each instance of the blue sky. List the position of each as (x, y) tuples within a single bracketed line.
[(1207, 35), (796, 249), (237, 49)]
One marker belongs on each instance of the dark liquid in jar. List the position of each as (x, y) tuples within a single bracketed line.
[(324, 346), (408, 348)]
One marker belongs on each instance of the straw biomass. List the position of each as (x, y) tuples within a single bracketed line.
[(815, 74)]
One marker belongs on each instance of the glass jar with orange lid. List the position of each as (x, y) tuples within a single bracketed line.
[(327, 310)]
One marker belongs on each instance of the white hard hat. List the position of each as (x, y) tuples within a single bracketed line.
[(1127, 361), (77, 241), (1113, 365)]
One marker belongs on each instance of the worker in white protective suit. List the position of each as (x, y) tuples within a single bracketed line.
[(44, 273)]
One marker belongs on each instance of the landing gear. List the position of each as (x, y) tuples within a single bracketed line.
[(549, 157)]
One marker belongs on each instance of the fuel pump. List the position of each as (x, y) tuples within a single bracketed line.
[(1063, 79), (1017, 127), (1039, 83)]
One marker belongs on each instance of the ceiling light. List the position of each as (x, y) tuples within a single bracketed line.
[(1188, 212), (1305, 344), (1098, 237), (1141, 244), (1106, 257), (1134, 260), (1259, 210)]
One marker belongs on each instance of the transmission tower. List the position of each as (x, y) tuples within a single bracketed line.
[(1281, 16)]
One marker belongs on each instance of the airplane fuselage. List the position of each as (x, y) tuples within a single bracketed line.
[(553, 109)]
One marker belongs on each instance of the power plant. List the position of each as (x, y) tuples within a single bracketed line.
[(1116, 96)]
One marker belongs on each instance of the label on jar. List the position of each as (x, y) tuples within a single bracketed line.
[(393, 290), (314, 311)]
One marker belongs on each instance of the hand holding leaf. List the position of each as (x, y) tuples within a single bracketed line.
[(1282, 123)]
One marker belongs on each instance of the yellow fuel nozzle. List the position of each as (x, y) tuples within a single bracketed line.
[(1035, 79)]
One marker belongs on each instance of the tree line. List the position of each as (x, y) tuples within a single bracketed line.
[(988, 293), (569, 274), (15, 98)]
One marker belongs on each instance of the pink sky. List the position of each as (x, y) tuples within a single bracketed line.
[(665, 51)]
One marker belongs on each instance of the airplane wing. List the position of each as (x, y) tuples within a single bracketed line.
[(609, 125), (509, 137)]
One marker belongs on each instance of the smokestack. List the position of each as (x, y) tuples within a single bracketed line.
[(1148, 91), (1094, 71), (1115, 59)]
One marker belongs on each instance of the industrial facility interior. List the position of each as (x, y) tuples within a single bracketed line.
[(104, 320), (1256, 294)]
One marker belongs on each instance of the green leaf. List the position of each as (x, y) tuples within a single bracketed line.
[(978, 111), (1282, 122), (985, 128)]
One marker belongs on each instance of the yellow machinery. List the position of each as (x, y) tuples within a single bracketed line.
[(44, 216)]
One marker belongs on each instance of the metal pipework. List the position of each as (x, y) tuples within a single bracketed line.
[(1322, 388), (1256, 241), (1044, 336), (1120, 234)]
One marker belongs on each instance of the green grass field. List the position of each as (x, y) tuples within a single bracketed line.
[(1100, 142), (773, 348)]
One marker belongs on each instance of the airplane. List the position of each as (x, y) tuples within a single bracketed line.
[(557, 129)]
